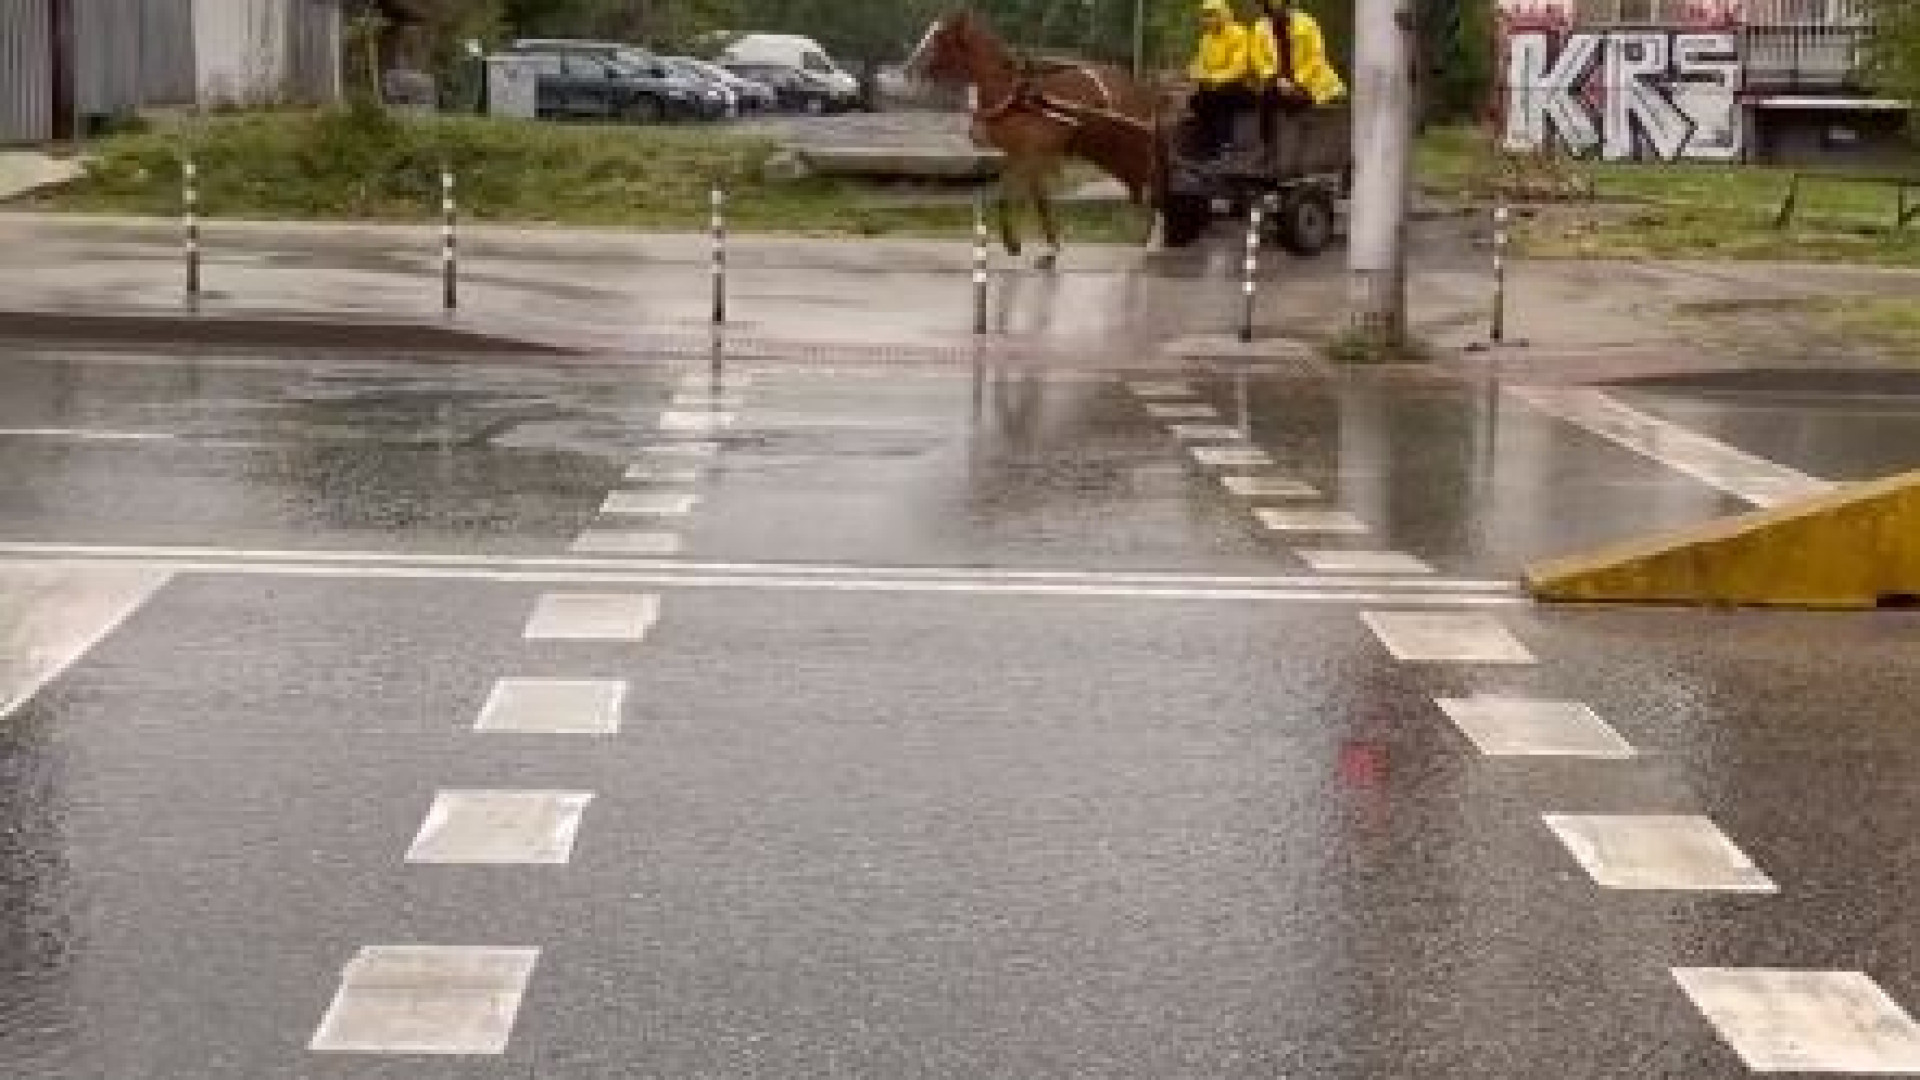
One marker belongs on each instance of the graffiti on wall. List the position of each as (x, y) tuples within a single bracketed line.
[(1625, 94)]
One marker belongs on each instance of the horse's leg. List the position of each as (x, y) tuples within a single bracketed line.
[(1009, 228), (1043, 206)]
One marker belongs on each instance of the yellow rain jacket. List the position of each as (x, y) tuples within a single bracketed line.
[(1223, 56), (1312, 71)]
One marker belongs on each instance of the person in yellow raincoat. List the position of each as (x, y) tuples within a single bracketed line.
[(1222, 74), (1291, 70)]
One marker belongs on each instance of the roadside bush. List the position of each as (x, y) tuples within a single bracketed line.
[(367, 163)]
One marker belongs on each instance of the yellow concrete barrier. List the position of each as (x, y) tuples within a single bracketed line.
[(1858, 547)]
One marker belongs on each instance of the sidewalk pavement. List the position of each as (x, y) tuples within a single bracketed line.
[(24, 171), (609, 291)]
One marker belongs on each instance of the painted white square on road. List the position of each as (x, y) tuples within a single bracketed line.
[(1206, 433), (427, 999), (1679, 852), (626, 542), (1441, 637), (1269, 487), (656, 503), (1805, 1021), (1363, 562), (1230, 457), (1161, 389), (683, 421), (1165, 411), (500, 828), (691, 448), (662, 474), (1516, 727), (593, 617), (554, 706), (1330, 522)]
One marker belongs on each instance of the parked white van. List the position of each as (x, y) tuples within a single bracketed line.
[(792, 51)]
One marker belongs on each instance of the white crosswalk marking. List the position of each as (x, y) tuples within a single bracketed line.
[(1326, 522), (654, 503), (1805, 1021), (1230, 457), (1268, 487), (500, 828), (695, 422), (662, 474), (1162, 389), (571, 616), (426, 999), (1678, 852), (1206, 433), (554, 706), (1441, 637), (689, 449), (1517, 727), (1160, 411), (627, 542), (1363, 562), (51, 615)]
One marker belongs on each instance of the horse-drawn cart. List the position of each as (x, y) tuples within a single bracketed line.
[(1299, 179)]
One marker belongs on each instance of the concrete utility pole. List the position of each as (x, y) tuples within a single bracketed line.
[(1383, 124)]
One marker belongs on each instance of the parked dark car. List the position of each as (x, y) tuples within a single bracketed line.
[(796, 90), (603, 80)]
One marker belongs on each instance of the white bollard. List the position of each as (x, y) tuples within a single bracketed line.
[(1250, 283), (980, 257), (719, 223), (190, 227), (449, 243)]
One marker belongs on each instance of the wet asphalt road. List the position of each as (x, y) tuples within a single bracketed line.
[(857, 825)]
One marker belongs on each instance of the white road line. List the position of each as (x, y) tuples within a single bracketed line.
[(554, 706), (1206, 433), (90, 435), (500, 828), (571, 616), (626, 542), (1163, 411), (1710, 461), (1379, 595), (1665, 852), (1515, 727), (1805, 1021), (168, 555), (654, 503), (427, 999), (1228, 457), (51, 616), (1363, 562), (1428, 637), (1268, 487), (1326, 522)]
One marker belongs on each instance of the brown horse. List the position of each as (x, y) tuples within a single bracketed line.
[(1039, 114)]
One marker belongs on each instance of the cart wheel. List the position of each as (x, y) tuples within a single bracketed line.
[(1306, 223), (1186, 220)]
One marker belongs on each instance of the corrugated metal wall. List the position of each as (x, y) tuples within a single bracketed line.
[(107, 56), (167, 66), (313, 64), (26, 72)]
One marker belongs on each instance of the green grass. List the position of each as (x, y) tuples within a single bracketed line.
[(1688, 210), (371, 167), (1890, 324)]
